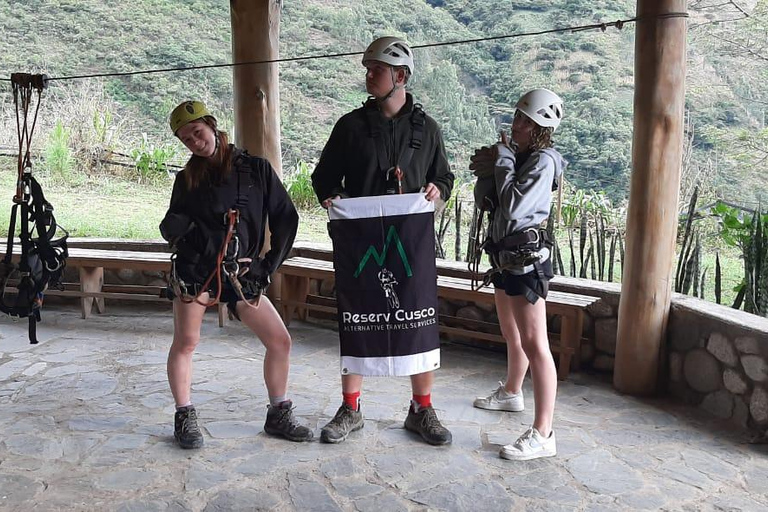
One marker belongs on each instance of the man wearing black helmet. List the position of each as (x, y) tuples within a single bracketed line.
[(387, 146)]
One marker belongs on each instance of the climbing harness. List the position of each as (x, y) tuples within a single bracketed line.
[(227, 264), (43, 253), (478, 238), (394, 174), (522, 249)]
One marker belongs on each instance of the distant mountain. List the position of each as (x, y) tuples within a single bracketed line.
[(469, 88)]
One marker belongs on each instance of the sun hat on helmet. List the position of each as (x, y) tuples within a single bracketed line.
[(543, 106), (390, 50), (187, 112)]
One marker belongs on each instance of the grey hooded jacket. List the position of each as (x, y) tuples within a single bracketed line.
[(522, 197)]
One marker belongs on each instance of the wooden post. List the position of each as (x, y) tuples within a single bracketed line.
[(255, 37), (657, 148)]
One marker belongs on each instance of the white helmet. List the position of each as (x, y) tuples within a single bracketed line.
[(543, 106), (390, 50)]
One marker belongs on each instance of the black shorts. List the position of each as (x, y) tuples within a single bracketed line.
[(532, 285), (228, 295)]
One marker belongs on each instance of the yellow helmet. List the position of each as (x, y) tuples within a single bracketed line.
[(187, 112)]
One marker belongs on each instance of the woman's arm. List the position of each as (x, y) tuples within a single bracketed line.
[(524, 197), (176, 223), (283, 221)]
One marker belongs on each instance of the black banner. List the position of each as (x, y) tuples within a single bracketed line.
[(386, 287)]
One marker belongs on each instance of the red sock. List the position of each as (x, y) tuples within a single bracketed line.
[(352, 399), (423, 400)]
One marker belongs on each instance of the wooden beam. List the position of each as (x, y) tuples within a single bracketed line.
[(255, 37), (657, 147)]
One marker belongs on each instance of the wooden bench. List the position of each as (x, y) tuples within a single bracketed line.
[(296, 300), (324, 251), (91, 289)]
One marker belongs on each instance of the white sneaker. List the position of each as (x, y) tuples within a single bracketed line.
[(530, 445), (500, 400)]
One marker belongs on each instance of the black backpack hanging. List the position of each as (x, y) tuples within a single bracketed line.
[(43, 253)]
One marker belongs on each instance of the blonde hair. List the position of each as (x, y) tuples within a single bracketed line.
[(541, 137)]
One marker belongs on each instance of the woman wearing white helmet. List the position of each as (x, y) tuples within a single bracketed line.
[(221, 204), (515, 181)]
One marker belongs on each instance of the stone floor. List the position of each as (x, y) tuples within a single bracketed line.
[(86, 425)]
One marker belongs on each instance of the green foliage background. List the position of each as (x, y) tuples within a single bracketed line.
[(468, 88)]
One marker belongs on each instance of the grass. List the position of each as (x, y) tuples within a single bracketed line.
[(116, 207), (103, 206)]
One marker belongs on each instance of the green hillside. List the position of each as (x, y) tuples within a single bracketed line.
[(468, 88)]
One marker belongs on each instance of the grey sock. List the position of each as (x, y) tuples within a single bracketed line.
[(275, 401)]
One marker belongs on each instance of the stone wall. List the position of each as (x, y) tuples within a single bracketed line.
[(715, 357), (718, 359), (598, 344)]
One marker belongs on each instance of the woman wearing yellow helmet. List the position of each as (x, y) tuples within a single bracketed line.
[(220, 206)]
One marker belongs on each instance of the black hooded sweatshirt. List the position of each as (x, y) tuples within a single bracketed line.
[(196, 225), (350, 165)]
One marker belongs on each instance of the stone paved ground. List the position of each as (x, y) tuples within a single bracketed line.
[(85, 424)]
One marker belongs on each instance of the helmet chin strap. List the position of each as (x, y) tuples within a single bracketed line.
[(394, 87)]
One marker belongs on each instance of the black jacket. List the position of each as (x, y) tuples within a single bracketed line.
[(195, 221), (349, 165)]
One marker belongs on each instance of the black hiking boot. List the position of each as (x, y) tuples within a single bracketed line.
[(281, 422), (426, 424), (186, 430), (346, 421)]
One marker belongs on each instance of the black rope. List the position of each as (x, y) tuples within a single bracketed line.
[(23, 87), (619, 24)]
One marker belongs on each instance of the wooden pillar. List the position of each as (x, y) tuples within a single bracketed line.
[(657, 147), (256, 37)]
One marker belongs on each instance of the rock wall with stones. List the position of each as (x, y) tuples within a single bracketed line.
[(598, 344), (718, 359), (715, 357)]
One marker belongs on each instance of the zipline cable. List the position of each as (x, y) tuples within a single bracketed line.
[(619, 24)]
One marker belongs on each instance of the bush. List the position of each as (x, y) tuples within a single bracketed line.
[(152, 161), (299, 185), (58, 156)]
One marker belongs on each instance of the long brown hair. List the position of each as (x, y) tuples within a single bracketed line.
[(208, 171)]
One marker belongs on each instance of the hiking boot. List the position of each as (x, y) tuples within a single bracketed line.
[(281, 422), (530, 445), (501, 400), (426, 424), (186, 430), (346, 421)]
